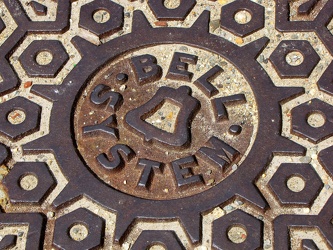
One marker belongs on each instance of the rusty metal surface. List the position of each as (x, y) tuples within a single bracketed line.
[(167, 128), (158, 160)]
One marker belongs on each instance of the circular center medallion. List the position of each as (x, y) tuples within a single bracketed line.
[(166, 122)]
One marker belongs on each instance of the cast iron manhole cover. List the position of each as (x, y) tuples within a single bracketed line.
[(166, 124)]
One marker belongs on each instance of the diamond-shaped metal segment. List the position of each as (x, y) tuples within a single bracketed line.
[(330, 26), (300, 123), (326, 158), (163, 13), (325, 82), (32, 191), (304, 193), (309, 245), (93, 224), (2, 25), (33, 68), (307, 7), (8, 79), (253, 228), (4, 154), (8, 242), (229, 22), (30, 124), (39, 9), (103, 28), (284, 69), (150, 238)]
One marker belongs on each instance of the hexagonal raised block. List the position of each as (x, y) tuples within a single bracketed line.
[(305, 191), (34, 190), (300, 123), (249, 224), (166, 239), (163, 13), (229, 22), (102, 28), (90, 222), (304, 69), (51, 69), (28, 126)]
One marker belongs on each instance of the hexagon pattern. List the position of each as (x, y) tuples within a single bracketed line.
[(305, 196), (32, 191), (35, 69), (102, 28), (94, 225), (255, 23), (161, 12), (28, 126), (301, 125), (304, 69)]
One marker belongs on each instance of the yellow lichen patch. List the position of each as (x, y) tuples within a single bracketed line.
[(3, 170), (222, 1), (239, 40)]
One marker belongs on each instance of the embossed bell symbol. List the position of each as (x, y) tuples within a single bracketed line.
[(181, 97)]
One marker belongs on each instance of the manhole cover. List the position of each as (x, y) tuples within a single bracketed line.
[(166, 124)]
